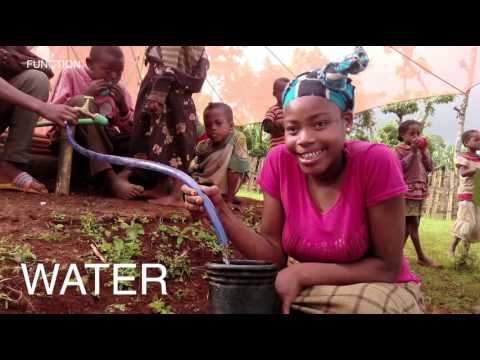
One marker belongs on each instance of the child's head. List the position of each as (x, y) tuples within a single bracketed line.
[(409, 131), (218, 119), (106, 62), (278, 87), (471, 140), (318, 115)]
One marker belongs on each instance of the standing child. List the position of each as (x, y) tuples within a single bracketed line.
[(416, 164), (221, 158), (100, 80), (467, 226), (273, 122)]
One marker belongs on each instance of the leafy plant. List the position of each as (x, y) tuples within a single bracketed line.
[(90, 228), (159, 307), (57, 216), (123, 250), (181, 294), (177, 218), (166, 232), (178, 265), (55, 235), (22, 254)]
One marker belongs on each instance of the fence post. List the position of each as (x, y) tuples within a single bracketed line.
[(451, 196), (433, 193)]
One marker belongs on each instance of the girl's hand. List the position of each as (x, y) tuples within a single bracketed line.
[(194, 202), (288, 286)]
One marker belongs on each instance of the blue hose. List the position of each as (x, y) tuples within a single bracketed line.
[(164, 169)]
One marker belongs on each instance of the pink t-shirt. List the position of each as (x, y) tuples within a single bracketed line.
[(340, 234)]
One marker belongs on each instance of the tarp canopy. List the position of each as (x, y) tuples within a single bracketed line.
[(242, 76)]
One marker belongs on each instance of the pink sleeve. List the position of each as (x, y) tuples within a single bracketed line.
[(383, 177), (63, 90), (269, 177)]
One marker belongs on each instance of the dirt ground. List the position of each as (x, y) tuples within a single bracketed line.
[(80, 229)]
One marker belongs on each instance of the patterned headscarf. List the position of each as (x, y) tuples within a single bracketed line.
[(330, 82)]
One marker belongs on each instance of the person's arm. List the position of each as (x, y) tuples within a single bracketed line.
[(265, 245), (387, 225), (193, 82), (232, 180), (56, 113), (122, 98), (465, 171), (406, 160), (427, 160)]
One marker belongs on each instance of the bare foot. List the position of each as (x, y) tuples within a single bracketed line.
[(429, 263), (123, 189), (8, 172), (125, 174)]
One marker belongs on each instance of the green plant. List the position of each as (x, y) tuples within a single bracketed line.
[(181, 294), (55, 235), (159, 307), (54, 216), (123, 250), (22, 254), (90, 228), (177, 218), (166, 232), (178, 265)]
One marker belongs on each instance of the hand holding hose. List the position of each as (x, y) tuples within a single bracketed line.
[(194, 202)]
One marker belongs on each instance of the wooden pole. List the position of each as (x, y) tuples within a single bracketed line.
[(451, 196), (432, 194), (64, 169)]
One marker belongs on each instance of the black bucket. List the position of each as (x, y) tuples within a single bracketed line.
[(242, 287)]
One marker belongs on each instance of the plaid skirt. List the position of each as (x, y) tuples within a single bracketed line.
[(361, 298)]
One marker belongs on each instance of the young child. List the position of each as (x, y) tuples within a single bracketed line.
[(334, 207), (222, 158), (165, 125), (100, 79), (416, 164), (273, 122), (467, 226)]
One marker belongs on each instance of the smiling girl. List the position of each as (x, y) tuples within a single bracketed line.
[(333, 217)]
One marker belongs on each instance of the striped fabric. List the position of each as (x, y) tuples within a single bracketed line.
[(275, 114)]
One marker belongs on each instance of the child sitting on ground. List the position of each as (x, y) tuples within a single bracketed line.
[(221, 159), (467, 226), (273, 122), (416, 164), (100, 80)]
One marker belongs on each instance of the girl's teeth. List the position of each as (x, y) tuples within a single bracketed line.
[(311, 155)]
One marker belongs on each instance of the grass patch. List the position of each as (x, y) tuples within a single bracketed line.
[(251, 194), (449, 289)]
